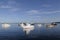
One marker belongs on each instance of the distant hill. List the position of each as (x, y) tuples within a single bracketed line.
[(55, 22)]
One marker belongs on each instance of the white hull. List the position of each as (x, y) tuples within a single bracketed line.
[(5, 26), (27, 28)]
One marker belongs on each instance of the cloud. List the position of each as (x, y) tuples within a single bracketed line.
[(5, 6), (34, 12), (14, 9), (10, 4), (51, 12), (13, 3), (46, 5), (9, 7)]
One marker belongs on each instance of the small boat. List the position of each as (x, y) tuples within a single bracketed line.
[(27, 27), (5, 25), (39, 25), (53, 23), (50, 25)]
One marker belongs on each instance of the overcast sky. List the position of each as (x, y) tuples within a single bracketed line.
[(29, 10)]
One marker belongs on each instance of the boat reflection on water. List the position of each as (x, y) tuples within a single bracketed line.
[(27, 27), (27, 30), (5, 26)]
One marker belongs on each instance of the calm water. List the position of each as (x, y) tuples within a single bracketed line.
[(15, 32)]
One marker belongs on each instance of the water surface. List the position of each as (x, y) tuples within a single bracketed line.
[(15, 32)]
